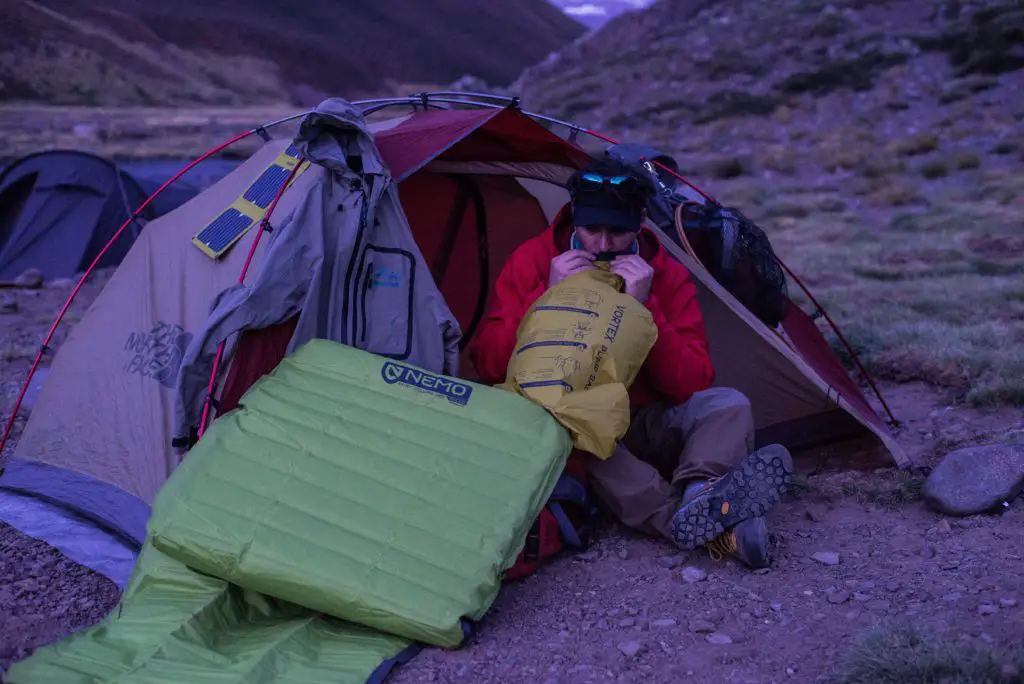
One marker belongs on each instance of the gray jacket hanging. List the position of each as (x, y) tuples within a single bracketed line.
[(345, 260)]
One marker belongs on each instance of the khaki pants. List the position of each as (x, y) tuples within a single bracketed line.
[(665, 448)]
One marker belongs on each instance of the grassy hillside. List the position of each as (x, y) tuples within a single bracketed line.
[(158, 52), (878, 142)]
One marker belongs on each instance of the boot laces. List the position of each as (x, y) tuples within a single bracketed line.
[(721, 546)]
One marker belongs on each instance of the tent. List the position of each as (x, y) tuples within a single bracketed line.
[(58, 208), (473, 183)]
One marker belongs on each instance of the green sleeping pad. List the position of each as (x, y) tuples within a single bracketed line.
[(176, 626), (365, 489)]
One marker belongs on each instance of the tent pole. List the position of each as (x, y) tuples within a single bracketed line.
[(373, 105), (264, 223), (44, 347)]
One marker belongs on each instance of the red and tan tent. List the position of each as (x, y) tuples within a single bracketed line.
[(474, 184)]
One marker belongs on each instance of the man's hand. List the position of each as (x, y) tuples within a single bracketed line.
[(637, 273), (569, 263)]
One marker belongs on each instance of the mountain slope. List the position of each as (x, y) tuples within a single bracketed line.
[(696, 61), (880, 144), (163, 52)]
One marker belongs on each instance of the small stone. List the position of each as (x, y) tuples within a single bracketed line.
[(629, 648), (861, 596), (1008, 603), (838, 597), (718, 638), (564, 633), (32, 279), (693, 575), (927, 551), (627, 622), (663, 623), (8, 305), (762, 571), (623, 554), (602, 624), (588, 556), (826, 557), (701, 626), (790, 671), (670, 562), (987, 609), (852, 614), (776, 606)]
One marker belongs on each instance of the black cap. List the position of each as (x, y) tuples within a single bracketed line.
[(605, 209), (609, 193)]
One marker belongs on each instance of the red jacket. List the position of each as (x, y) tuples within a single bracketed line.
[(679, 364)]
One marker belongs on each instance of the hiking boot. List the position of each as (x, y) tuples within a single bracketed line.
[(748, 543), (747, 491)]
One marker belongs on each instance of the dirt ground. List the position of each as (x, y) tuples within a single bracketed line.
[(632, 609)]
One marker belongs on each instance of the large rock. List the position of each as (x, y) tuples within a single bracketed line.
[(976, 479)]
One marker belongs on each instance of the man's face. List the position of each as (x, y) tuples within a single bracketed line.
[(597, 239)]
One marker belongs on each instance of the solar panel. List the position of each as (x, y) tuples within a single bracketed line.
[(262, 192), (222, 232)]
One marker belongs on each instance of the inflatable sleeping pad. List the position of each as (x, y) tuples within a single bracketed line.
[(361, 493)]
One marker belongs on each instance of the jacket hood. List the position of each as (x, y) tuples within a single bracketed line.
[(335, 135), (562, 226)]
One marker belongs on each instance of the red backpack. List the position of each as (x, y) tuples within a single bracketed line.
[(567, 520)]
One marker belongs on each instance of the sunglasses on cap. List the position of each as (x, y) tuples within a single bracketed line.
[(623, 186)]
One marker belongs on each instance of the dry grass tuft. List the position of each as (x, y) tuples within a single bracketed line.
[(894, 653), (917, 144)]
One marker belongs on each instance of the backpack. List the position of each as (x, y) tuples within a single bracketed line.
[(734, 250), (566, 521), (738, 255)]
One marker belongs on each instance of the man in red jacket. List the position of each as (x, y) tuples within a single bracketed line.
[(685, 470)]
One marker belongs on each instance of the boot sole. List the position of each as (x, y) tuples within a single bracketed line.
[(748, 491)]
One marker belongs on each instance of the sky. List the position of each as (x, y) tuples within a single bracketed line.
[(594, 12)]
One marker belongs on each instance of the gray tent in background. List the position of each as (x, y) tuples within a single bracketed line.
[(58, 208)]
